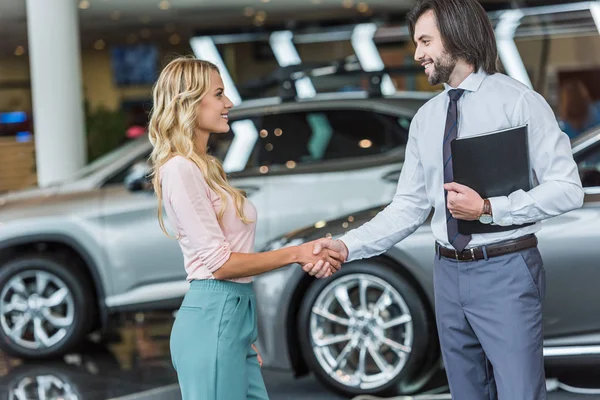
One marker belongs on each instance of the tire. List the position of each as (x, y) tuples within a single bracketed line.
[(313, 328), (51, 381), (54, 316)]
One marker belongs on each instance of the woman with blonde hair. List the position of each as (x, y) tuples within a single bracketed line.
[(212, 337)]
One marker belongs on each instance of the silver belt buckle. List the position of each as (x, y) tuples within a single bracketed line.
[(456, 255), (472, 254)]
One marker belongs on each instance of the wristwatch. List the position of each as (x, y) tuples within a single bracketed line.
[(486, 215)]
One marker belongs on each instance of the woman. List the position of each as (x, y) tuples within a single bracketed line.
[(212, 337), (578, 112)]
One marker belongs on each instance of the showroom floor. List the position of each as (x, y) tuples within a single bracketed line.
[(135, 365)]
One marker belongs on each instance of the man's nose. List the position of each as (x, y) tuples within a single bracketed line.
[(418, 54)]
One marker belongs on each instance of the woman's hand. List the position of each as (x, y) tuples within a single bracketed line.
[(321, 265), (258, 357)]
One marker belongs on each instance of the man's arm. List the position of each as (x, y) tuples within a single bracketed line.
[(560, 187), (408, 210)]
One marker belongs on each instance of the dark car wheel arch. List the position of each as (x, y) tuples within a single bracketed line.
[(79, 289), (419, 366), (68, 248)]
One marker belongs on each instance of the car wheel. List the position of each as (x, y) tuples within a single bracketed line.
[(364, 329), (46, 307)]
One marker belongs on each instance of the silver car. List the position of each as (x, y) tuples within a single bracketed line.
[(75, 253), (371, 329)]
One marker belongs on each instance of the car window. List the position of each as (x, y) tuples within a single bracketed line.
[(310, 137), (237, 148), (119, 177), (589, 167)]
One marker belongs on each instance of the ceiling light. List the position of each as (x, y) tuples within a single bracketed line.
[(164, 5), (362, 7), (351, 218), (19, 51), (174, 39), (265, 1), (348, 3), (264, 169), (264, 133), (595, 10), (291, 164), (278, 132), (99, 44), (365, 143), (84, 4), (345, 225), (269, 147), (248, 11), (115, 15)]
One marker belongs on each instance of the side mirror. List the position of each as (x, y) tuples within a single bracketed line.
[(138, 177)]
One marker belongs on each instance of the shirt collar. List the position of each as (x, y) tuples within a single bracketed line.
[(471, 82)]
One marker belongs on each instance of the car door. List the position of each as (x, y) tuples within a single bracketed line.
[(328, 162), (569, 245)]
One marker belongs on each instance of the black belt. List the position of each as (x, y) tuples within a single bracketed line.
[(491, 250)]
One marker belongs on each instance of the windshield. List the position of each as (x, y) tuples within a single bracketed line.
[(107, 159)]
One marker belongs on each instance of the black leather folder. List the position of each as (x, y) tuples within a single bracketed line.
[(493, 164)]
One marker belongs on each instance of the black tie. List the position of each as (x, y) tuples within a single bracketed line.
[(456, 239)]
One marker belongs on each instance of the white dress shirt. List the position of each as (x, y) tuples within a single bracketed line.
[(490, 102)]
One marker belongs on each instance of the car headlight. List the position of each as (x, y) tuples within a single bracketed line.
[(282, 242)]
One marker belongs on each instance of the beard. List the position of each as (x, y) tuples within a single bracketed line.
[(442, 69)]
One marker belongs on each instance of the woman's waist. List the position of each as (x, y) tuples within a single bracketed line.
[(242, 286)]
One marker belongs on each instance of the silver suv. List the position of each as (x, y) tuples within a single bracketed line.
[(74, 253)]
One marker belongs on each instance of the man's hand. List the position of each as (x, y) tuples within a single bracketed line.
[(335, 245), (463, 202), (321, 264)]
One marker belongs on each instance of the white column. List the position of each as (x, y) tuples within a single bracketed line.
[(56, 87)]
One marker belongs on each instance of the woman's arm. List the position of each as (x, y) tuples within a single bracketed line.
[(240, 265), (186, 189)]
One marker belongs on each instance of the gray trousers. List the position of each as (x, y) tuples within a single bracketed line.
[(489, 320)]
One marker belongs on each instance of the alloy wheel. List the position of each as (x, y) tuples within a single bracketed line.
[(37, 309), (361, 331)]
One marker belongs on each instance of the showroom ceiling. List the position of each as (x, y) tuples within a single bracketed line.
[(174, 21)]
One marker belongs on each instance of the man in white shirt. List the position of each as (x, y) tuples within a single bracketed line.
[(489, 287)]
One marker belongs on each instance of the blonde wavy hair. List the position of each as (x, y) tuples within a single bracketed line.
[(172, 130)]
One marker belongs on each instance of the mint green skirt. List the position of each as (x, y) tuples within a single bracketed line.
[(211, 343)]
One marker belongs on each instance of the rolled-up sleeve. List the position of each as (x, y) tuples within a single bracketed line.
[(189, 195), (559, 188)]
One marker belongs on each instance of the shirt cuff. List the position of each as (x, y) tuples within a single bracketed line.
[(353, 245), (217, 258), (501, 211)]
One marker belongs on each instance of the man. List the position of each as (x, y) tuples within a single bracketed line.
[(488, 287)]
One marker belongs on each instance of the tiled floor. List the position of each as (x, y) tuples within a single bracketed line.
[(137, 366)]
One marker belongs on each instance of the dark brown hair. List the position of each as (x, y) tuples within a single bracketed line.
[(575, 103), (465, 29)]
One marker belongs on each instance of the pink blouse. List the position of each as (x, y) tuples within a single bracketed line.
[(192, 208)]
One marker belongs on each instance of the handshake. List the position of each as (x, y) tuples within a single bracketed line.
[(323, 257)]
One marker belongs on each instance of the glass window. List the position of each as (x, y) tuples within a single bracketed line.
[(308, 137), (119, 177), (589, 167), (242, 156)]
